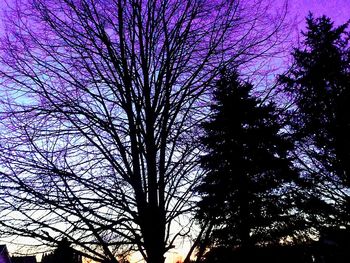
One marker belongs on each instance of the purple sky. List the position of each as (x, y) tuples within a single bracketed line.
[(337, 10)]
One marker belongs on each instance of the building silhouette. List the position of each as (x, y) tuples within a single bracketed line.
[(5, 257)]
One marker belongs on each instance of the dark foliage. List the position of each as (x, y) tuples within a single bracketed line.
[(320, 85), (246, 192), (63, 253), (333, 246), (314, 252), (24, 259)]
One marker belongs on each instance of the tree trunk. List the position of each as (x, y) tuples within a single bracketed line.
[(153, 232)]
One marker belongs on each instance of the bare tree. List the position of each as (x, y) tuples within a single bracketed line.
[(100, 100)]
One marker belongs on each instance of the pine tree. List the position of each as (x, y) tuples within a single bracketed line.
[(63, 253), (245, 191), (320, 85)]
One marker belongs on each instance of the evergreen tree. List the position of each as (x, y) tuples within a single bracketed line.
[(320, 85), (245, 193), (63, 253)]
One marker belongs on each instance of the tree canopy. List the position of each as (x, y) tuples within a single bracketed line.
[(319, 84), (100, 102), (246, 192)]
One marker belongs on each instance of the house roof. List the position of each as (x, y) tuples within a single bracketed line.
[(4, 255), (5, 258)]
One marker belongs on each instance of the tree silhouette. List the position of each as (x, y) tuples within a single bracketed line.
[(319, 83), (246, 191), (63, 253), (99, 108)]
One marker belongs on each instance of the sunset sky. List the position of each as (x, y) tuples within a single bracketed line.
[(337, 10)]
